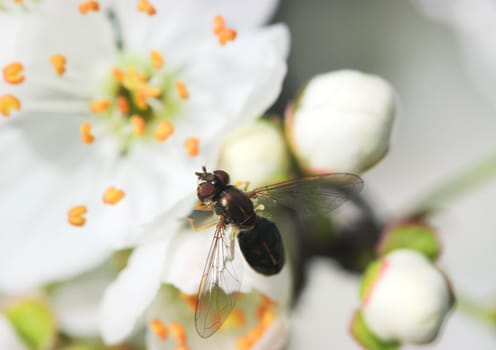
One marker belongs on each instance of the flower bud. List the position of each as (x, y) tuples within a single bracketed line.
[(341, 121), (406, 299), (256, 153)]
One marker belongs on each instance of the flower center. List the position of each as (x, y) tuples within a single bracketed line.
[(139, 100)]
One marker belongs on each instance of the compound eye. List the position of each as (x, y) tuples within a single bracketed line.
[(205, 190), (222, 176)]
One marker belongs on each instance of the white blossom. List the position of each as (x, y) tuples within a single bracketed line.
[(341, 121), (409, 299)]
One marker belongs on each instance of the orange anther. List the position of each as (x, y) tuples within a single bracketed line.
[(164, 130), (178, 332), (58, 62), (182, 90), (7, 103), (192, 145), (86, 135), (226, 35), (12, 73), (118, 74), (157, 59), (113, 195), (88, 5), (159, 329), (219, 24), (145, 6), (182, 347), (99, 106), (75, 215), (223, 33), (138, 125), (123, 105), (190, 299)]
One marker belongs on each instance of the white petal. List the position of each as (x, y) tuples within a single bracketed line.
[(76, 303), (234, 84), (130, 294), (324, 310), (8, 337), (186, 23), (38, 187)]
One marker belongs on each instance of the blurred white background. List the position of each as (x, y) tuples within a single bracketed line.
[(445, 124)]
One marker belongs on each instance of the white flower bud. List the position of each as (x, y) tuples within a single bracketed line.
[(256, 153), (408, 300), (342, 121)]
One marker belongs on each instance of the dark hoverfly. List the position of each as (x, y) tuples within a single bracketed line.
[(259, 238)]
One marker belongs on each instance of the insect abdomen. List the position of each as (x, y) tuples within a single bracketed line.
[(262, 247)]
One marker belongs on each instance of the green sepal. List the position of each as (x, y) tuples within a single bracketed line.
[(368, 279), (411, 235), (364, 336), (34, 322)]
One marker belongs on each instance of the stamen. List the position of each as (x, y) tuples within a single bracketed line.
[(182, 90), (164, 130), (145, 6), (118, 74), (219, 24), (88, 5), (138, 125), (100, 106), (224, 34), (192, 145), (159, 329), (58, 62), (75, 215), (178, 332), (7, 103), (12, 73), (237, 318), (123, 105), (113, 195), (190, 299), (157, 59), (86, 135)]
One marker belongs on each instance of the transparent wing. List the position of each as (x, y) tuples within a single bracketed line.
[(219, 284), (312, 194)]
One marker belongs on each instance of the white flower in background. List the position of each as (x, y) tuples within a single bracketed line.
[(474, 24), (257, 153), (408, 299), (8, 336), (341, 121), (177, 260), (120, 103)]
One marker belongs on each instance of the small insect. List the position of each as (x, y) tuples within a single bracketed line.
[(259, 238)]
